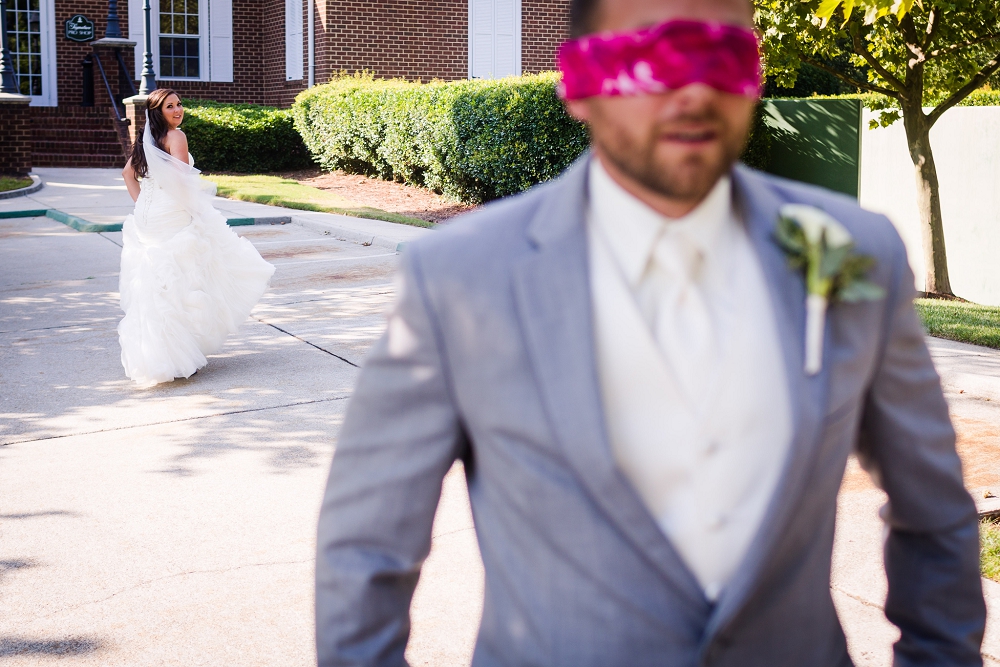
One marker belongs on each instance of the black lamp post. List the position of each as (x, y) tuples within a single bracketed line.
[(8, 85), (114, 29), (147, 83)]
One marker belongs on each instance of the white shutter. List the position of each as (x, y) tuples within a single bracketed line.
[(220, 40), (494, 38), (293, 40), (504, 63), (136, 33), (481, 38)]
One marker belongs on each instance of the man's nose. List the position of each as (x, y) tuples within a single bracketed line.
[(692, 102)]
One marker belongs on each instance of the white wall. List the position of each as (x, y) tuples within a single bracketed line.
[(966, 144)]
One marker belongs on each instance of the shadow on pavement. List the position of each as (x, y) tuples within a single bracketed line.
[(14, 646)]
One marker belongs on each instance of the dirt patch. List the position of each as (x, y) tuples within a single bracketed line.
[(290, 252), (978, 446), (406, 200)]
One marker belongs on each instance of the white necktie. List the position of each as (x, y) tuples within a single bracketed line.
[(682, 324)]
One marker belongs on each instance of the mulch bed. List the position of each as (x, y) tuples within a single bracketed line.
[(386, 195)]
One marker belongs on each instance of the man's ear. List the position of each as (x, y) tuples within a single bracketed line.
[(578, 109)]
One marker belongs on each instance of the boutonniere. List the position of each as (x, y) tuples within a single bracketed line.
[(823, 250)]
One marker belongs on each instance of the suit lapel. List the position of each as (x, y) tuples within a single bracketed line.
[(552, 292), (759, 206)]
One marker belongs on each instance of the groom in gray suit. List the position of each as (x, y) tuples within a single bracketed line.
[(618, 357)]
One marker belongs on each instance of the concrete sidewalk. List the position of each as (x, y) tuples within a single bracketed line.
[(100, 196), (970, 376)]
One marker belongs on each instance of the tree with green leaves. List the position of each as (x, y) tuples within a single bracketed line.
[(923, 58)]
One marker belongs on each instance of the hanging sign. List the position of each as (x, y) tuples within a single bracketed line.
[(79, 28)]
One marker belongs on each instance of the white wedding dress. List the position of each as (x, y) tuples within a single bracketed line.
[(187, 280)]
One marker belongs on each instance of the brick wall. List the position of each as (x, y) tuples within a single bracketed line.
[(70, 54), (390, 38), (248, 66), (277, 90), (396, 38), (15, 139), (544, 26)]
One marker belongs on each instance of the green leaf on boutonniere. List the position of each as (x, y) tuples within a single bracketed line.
[(824, 251), (792, 240)]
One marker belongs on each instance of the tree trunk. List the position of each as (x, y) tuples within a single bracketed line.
[(936, 279)]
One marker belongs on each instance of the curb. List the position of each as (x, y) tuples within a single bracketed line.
[(351, 235), (36, 185), (82, 225)]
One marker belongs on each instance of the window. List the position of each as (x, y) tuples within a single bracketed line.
[(24, 40), (192, 39), (180, 43), (494, 38)]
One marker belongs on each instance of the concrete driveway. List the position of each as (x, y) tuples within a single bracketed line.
[(176, 525)]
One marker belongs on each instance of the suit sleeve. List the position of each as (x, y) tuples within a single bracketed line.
[(907, 443), (400, 436)]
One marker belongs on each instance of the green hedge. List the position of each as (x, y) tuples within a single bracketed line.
[(471, 140), (242, 138)]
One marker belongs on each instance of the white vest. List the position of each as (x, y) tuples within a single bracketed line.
[(705, 472)]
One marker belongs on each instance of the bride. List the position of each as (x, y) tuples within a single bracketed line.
[(187, 280)]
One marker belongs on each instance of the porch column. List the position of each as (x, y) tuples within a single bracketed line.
[(135, 112), (15, 135), (15, 117)]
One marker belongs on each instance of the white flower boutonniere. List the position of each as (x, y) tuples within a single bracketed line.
[(823, 250)]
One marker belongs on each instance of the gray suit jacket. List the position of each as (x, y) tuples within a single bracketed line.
[(490, 358)]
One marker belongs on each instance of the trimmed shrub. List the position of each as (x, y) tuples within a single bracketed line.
[(471, 140), (982, 98), (243, 138)]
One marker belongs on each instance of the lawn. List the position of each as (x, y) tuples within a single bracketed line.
[(964, 322), (279, 191), (13, 183), (989, 548)]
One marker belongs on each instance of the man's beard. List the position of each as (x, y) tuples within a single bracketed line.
[(688, 179)]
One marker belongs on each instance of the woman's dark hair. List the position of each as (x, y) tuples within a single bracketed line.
[(158, 127), (581, 17)]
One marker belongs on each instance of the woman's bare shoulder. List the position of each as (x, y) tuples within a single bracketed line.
[(175, 138)]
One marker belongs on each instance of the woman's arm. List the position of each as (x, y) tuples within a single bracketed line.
[(130, 180), (176, 144)]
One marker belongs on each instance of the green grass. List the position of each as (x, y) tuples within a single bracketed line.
[(989, 548), (12, 183), (279, 191), (964, 322)]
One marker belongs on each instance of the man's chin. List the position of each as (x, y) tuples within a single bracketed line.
[(691, 185)]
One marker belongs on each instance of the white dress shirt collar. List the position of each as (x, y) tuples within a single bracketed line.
[(632, 229)]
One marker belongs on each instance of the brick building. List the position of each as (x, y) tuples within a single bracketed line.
[(259, 51)]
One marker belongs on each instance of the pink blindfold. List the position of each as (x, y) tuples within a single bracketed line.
[(665, 57)]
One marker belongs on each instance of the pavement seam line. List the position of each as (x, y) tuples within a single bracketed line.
[(172, 576), (287, 333), (334, 259), (61, 326), (860, 599), (102, 235), (177, 421)]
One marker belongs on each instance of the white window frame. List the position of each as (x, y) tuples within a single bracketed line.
[(204, 65), (215, 43), (518, 70)]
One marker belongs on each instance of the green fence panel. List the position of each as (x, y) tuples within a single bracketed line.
[(816, 141)]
